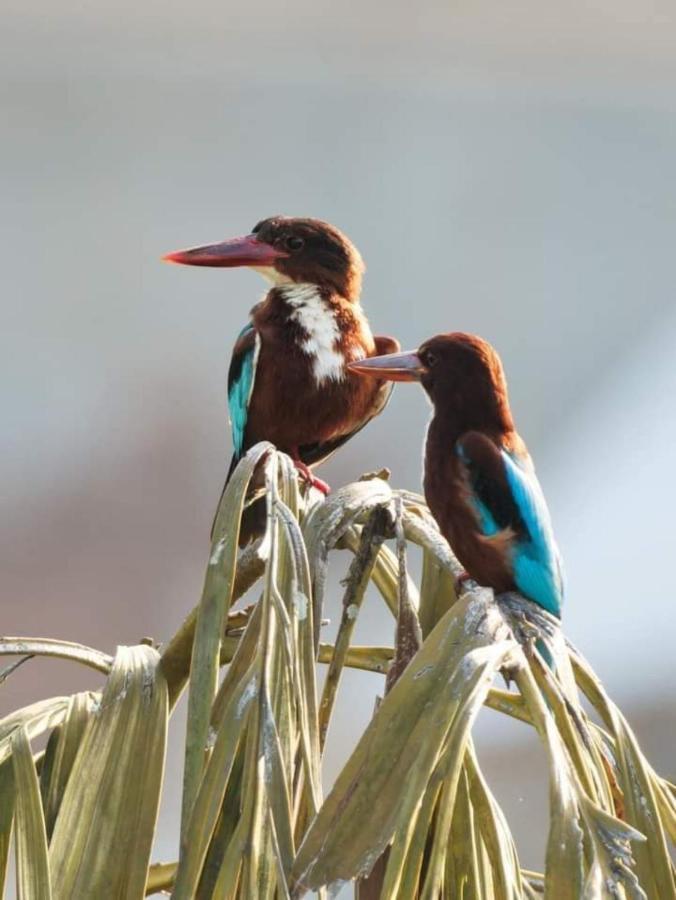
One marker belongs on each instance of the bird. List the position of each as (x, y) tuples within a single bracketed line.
[(288, 381), (479, 479)]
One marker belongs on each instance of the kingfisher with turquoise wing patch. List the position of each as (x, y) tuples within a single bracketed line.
[(479, 481), (288, 381)]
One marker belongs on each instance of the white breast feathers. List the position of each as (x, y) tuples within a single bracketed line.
[(316, 319)]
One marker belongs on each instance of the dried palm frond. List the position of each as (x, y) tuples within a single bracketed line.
[(410, 815)]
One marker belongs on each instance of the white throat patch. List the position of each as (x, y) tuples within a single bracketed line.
[(271, 275), (314, 316)]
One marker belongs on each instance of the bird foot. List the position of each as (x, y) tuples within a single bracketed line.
[(310, 479), (461, 582)]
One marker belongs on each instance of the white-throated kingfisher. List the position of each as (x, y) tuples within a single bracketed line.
[(288, 381), (479, 480)]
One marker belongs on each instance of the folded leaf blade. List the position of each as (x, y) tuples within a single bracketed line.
[(103, 833), (32, 863)]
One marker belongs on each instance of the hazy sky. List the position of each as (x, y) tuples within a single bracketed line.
[(504, 168)]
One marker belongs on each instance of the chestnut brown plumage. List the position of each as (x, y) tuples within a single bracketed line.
[(479, 481), (288, 382)]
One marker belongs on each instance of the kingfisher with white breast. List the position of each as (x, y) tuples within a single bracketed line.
[(288, 381)]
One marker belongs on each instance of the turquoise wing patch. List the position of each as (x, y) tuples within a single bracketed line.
[(487, 523), (537, 563), (241, 380)]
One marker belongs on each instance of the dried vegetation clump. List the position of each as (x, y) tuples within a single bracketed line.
[(410, 815)]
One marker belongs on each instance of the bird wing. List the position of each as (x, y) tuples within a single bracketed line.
[(311, 454), (241, 378), (385, 344), (507, 494)]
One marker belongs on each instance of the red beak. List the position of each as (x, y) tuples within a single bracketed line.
[(241, 251), (391, 367)]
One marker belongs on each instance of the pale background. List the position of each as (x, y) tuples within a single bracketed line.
[(505, 168)]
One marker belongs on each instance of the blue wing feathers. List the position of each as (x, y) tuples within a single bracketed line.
[(487, 522), (537, 566), (507, 495), (241, 382)]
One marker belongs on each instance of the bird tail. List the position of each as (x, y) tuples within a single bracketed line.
[(253, 516), (543, 650)]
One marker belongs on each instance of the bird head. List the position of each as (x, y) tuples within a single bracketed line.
[(286, 251), (461, 373)]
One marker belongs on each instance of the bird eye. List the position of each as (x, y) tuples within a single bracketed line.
[(293, 242), (429, 358)]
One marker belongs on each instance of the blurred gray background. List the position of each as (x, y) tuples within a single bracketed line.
[(506, 169)]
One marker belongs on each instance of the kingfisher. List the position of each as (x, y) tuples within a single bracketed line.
[(288, 381), (479, 480)]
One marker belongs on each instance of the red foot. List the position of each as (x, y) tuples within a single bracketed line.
[(461, 581), (311, 479)]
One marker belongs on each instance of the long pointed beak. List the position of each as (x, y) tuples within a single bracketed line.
[(241, 251), (391, 367)]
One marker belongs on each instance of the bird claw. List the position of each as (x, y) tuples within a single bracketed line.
[(462, 582), (310, 479), (321, 486)]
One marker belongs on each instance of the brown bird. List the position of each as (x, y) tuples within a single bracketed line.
[(479, 482), (288, 381)]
